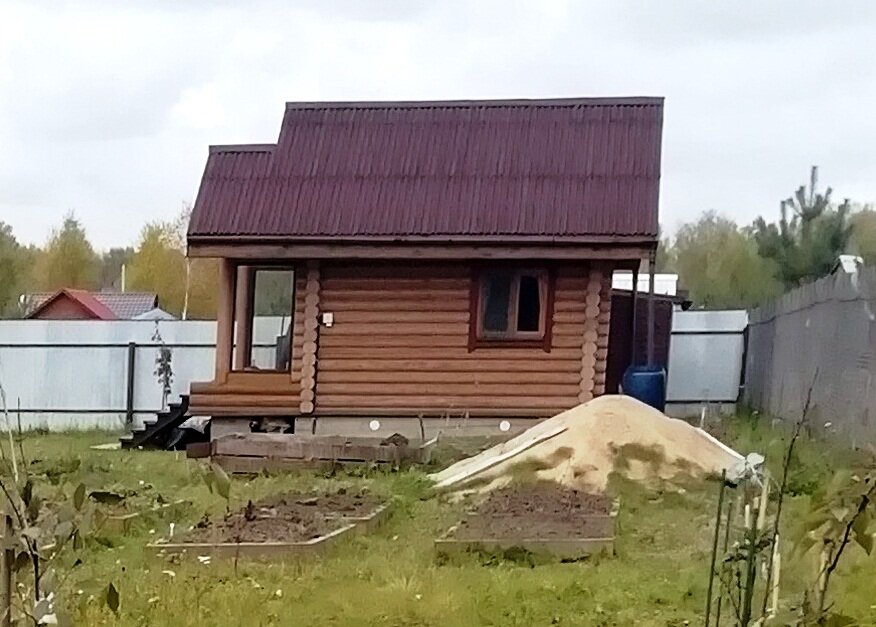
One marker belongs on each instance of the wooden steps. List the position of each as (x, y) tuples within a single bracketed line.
[(155, 433)]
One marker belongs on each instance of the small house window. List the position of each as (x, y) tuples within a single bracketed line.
[(511, 305)]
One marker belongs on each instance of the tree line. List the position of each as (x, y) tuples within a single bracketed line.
[(727, 265), (68, 260)]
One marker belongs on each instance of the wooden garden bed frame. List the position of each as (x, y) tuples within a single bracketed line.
[(560, 548), (351, 525), (257, 452)]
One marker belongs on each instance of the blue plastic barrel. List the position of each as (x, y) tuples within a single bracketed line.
[(647, 384)]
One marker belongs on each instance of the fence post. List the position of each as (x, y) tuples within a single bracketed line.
[(129, 405)]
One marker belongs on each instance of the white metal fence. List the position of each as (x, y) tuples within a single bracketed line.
[(85, 374)]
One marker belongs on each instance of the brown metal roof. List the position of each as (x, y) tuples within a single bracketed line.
[(559, 170)]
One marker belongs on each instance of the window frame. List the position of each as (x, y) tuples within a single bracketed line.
[(513, 339), (254, 268)]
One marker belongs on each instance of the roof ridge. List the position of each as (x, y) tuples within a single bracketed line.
[(609, 101)]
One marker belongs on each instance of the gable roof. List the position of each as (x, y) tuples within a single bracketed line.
[(111, 305), (85, 300), (555, 170)]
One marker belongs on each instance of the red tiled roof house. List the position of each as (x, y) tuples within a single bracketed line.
[(69, 304), (73, 304), (427, 257)]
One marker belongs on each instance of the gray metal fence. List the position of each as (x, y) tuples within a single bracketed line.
[(706, 354), (828, 328), (83, 373)]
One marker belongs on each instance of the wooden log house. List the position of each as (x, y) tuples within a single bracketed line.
[(428, 258)]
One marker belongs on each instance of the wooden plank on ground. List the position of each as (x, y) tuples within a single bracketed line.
[(311, 447), (253, 550), (486, 460), (561, 548), (370, 522)]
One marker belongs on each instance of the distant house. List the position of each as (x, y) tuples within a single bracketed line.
[(70, 304)]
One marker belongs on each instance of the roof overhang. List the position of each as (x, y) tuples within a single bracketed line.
[(273, 249)]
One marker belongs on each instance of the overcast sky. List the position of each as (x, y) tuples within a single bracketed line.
[(107, 108)]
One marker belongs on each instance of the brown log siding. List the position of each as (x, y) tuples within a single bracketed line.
[(399, 344)]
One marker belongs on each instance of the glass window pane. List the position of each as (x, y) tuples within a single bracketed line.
[(528, 304), (273, 291), (497, 299)]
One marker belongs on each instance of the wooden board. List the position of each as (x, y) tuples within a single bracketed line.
[(236, 464), (485, 460), (559, 548), (254, 550), (274, 446), (369, 522), (603, 525)]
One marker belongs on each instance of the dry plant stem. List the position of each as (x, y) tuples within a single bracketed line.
[(715, 544), (783, 487), (30, 544), (6, 576), (833, 561), (750, 571), (20, 432), (727, 583), (724, 551)]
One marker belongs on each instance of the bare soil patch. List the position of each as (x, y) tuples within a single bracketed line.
[(538, 511), (291, 517)]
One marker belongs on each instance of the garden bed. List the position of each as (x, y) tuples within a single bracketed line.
[(539, 518), (258, 452), (285, 524)]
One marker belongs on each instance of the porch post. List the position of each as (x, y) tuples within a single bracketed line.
[(224, 319), (243, 316), (634, 326), (652, 259)]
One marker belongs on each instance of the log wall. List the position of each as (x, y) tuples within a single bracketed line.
[(399, 345)]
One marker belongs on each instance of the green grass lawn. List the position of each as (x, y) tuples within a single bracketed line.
[(393, 577)]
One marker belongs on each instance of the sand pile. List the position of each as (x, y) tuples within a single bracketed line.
[(580, 447)]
